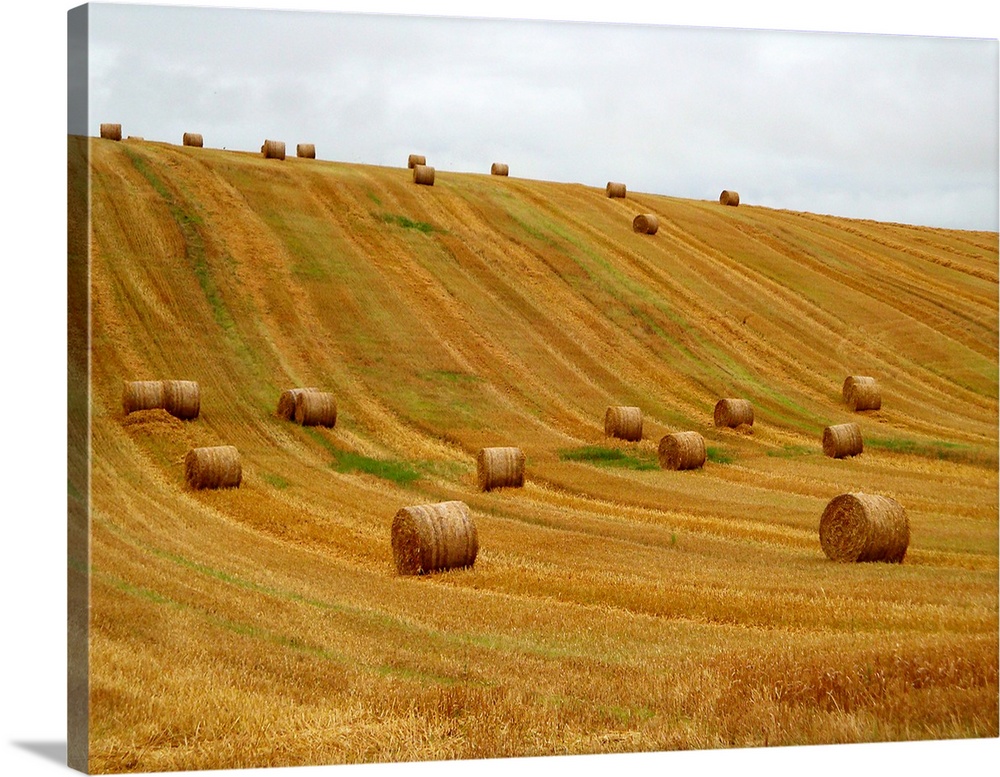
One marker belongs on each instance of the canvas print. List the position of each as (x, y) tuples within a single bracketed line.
[(451, 388)]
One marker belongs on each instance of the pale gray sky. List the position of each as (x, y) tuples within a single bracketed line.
[(889, 127)]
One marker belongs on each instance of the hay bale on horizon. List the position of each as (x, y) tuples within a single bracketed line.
[(861, 392), (623, 422), (415, 159), (213, 467), (646, 223), (733, 412), (615, 189), (111, 131), (842, 440), (306, 150), (286, 402), (193, 139), (729, 198), (682, 450), (864, 527), (423, 174), (182, 398), (499, 168), (142, 395), (431, 537), (273, 149), (501, 467), (315, 408)]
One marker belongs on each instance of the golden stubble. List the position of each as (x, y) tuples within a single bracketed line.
[(610, 608)]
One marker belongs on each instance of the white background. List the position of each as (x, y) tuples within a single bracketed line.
[(33, 660)]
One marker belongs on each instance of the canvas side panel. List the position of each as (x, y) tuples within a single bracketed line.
[(78, 391)]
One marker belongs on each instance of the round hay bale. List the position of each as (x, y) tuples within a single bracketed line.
[(842, 440), (646, 223), (624, 423), (416, 159), (193, 139), (864, 527), (182, 398), (615, 189), (111, 131), (306, 150), (142, 395), (315, 408), (286, 402), (861, 392), (682, 450), (423, 174), (500, 468), (273, 149), (499, 168), (729, 198), (426, 538), (733, 412), (851, 381), (214, 467)]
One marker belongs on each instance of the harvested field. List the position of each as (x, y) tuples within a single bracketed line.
[(613, 605)]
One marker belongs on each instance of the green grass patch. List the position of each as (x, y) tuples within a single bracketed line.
[(450, 376), (790, 451), (934, 449), (610, 457), (397, 471), (407, 223), (275, 480), (346, 461), (718, 455)]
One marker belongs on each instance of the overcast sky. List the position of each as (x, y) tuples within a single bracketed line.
[(955, 178), (889, 127)]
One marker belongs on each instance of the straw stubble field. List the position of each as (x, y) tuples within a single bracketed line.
[(613, 605)]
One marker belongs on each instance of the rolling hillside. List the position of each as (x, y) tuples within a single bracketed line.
[(614, 606)]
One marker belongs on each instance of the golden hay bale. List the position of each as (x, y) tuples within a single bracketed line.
[(682, 450), (286, 402), (416, 159), (500, 468), (615, 189), (214, 467), (273, 149), (315, 408), (861, 392), (842, 440), (423, 174), (866, 396), (306, 150), (733, 412), (623, 422), (193, 139), (182, 398), (430, 537), (864, 527), (851, 381), (499, 168), (142, 395), (646, 223), (111, 131), (729, 198)]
